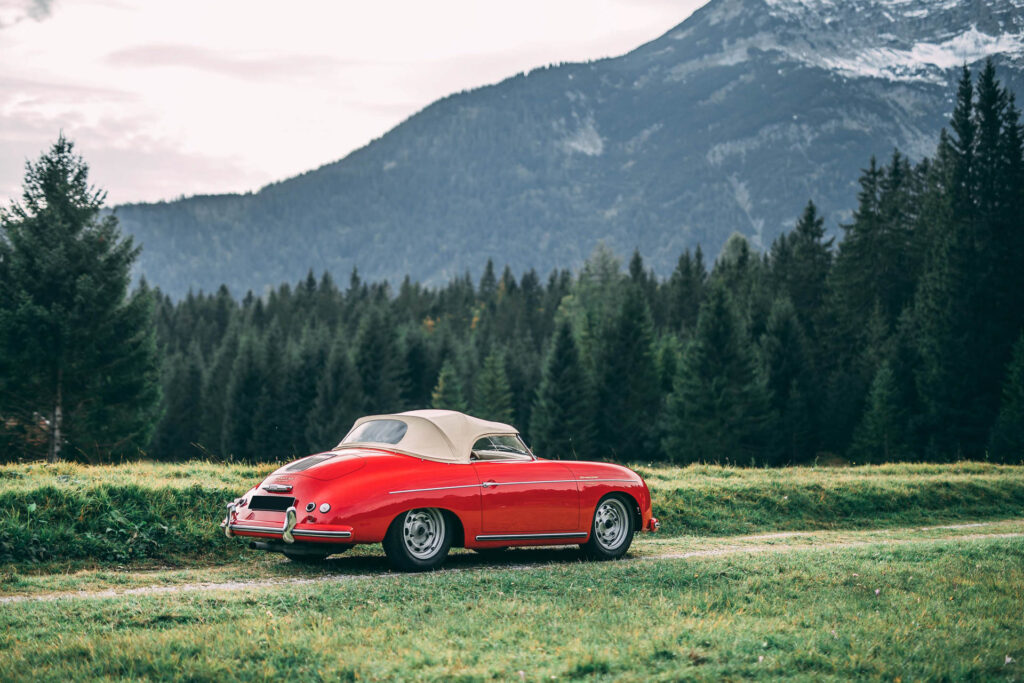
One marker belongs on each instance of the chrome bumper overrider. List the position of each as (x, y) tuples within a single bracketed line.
[(289, 524)]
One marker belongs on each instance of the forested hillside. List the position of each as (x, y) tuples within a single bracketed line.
[(896, 344), (902, 342), (727, 123)]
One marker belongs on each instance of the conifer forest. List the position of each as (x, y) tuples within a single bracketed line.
[(903, 340)]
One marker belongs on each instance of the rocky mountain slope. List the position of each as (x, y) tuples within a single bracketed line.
[(728, 122)]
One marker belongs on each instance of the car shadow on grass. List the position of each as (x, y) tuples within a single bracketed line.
[(369, 563)]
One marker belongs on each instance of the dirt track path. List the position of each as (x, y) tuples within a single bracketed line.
[(756, 548)]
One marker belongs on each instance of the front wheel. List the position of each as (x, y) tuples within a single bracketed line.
[(418, 540), (612, 531)]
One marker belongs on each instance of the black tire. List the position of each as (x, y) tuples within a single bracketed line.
[(419, 540), (612, 529)]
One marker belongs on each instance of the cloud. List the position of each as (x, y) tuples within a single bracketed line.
[(16, 11), (123, 159), (249, 67), (125, 154)]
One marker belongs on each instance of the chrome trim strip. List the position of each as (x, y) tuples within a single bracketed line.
[(261, 529), (322, 534), (296, 532), (520, 537), (491, 484), (438, 488), (554, 481)]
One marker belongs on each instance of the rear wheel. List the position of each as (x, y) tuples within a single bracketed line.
[(418, 540), (611, 532)]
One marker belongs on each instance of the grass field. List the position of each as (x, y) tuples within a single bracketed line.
[(909, 572), (72, 516), (940, 609)]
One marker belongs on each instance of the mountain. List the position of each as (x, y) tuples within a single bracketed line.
[(729, 122)]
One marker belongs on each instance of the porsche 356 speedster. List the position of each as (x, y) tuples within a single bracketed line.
[(424, 481)]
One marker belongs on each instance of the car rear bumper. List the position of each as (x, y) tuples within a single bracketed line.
[(653, 524), (288, 531)]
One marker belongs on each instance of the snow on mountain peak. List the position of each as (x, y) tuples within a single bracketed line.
[(921, 60), (896, 40)]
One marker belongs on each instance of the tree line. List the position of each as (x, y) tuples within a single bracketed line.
[(901, 342)]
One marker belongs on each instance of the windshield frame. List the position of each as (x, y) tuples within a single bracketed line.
[(510, 455)]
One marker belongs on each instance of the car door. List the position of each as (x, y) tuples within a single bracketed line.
[(527, 498)]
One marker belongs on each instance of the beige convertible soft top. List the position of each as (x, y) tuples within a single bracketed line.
[(443, 435)]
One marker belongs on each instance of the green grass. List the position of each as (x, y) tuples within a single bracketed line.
[(938, 610), (70, 516)]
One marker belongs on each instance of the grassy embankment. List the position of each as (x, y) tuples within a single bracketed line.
[(70, 515), (937, 610)]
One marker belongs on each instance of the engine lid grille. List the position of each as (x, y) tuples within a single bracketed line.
[(308, 462), (271, 503)]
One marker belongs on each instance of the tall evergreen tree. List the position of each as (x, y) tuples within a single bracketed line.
[(377, 360), (339, 399), (492, 397), (562, 423), (239, 439), (800, 263), (179, 428), (880, 435), (718, 409), (685, 291), (627, 382), (304, 365), (1006, 443), (215, 393), (783, 349), (75, 346), (447, 394)]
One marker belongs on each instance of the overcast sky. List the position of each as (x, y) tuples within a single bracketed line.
[(177, 97)]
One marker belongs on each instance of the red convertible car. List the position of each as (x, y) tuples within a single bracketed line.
[(423, 481)]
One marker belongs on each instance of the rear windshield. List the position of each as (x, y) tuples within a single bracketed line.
[(378, 431)]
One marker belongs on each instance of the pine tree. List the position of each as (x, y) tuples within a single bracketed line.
[(339, 399), (215, 393), (718, 409), (562, 422), (378, 362), (880, 436), (685, 291), (178, 431), (783, 350), (447, 394), (627, 388), (420, 369), (1006, 442), (305, 362), (75, 346), (739, 269), (242, 401), (492, 397), (488, 284), (800, 263), (271, 421)]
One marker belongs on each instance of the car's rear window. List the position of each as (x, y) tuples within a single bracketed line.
[(378, 431)]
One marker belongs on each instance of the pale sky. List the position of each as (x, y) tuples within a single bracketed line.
[(168, 98)]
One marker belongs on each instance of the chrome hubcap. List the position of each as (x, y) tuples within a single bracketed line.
[(611, 523), (423, 532)]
